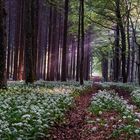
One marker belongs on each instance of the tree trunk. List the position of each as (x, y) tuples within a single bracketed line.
[(105, 69), (116, 55), (53, 46), (3, 44), (35, 11), (49, 44), (17, 39), (128, 42), (123, 40), (64, 51), (133, 59), (29, 69), (82, 43), (9, 40), (22, 44), (78, 45)]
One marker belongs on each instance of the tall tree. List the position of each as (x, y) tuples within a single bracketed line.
[(35, 12), (3, 44), (29, 68), (17, 38), (9, 38), (123, 40), (78, 44), (22, 44), (64, 51), (49, 42), (82, 43), (116, 66)]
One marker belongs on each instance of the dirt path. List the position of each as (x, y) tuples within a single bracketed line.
[(73, 128), (77, 126)]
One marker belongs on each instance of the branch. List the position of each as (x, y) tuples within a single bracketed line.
[(99, 23), (110, 18)]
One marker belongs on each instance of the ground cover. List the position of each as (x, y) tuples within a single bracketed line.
[(103, 114), (29, 111)]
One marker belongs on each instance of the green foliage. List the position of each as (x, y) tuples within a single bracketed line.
[(105, 101), (28, 111), (97, 65), (74, 18), (135, 95), (129, 87), (131, 130), (108, 100)]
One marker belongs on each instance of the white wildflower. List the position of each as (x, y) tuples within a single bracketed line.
[(137, 131), (100, 112), (124, 117), (94, 129)]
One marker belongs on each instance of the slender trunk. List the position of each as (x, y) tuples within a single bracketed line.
[(105, 69), (35, 11), (3, 44), (22, 42), (82, 43), (78, 45), (53, 46), (116, 55), (29, 71), (9, 41), (64, 51), (57, 51), (123, 40), (128, 42), (17, 40), (133, 59), (45, 55), (138, 64), (49, 43)]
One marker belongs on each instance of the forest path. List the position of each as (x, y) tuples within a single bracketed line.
[(77, 125), (73, 129)]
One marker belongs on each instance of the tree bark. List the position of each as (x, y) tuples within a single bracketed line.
[(64, 51), (78, 45), (123, 40), (29, 68), (116, 66), (82, 43), (3, 44), (105, 69)]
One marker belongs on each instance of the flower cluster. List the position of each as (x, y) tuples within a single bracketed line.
[(127, 120), (127, 86), (27, 112), (108, 100), (135, 95), (26, 115)]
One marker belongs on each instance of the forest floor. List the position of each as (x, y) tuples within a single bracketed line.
[(74, 126), (80, 124)]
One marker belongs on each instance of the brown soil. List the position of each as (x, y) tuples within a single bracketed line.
[(75, 121)]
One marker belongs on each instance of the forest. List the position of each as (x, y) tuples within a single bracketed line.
[(69, 69)]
